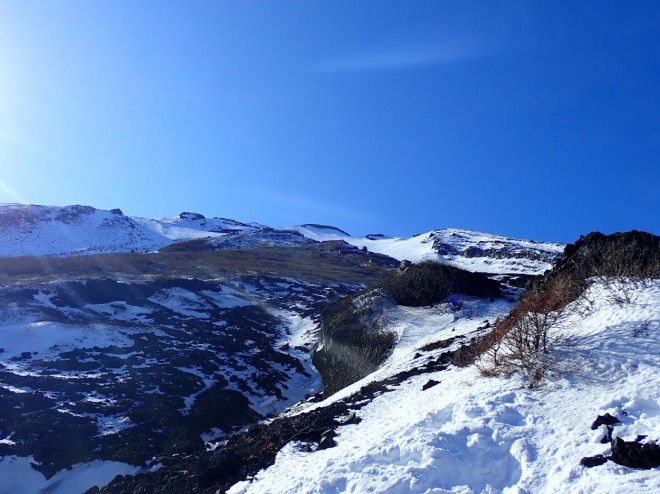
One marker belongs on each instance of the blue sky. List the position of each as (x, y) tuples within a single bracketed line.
[(532, 119)]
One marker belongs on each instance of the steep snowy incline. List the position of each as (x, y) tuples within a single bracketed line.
[(74, 230), (190, 226), (471, 434)]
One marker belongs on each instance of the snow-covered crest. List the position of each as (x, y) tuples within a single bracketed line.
[(474, 251), (76, 230)]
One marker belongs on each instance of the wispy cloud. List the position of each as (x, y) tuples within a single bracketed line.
[(407, 56)]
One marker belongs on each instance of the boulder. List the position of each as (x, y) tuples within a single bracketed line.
[(593, 461), (429, 384), (634, 454), (327, 440)]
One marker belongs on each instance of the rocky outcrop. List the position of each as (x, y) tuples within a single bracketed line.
[(129, 371), (630, 254), (631, 454)]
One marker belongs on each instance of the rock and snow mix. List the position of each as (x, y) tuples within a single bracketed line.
[(472, 251), (106, 364), (33, 230), (76, 230), (111, 360), (475, 434)]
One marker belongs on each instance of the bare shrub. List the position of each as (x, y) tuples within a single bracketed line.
[(352, 342), (623, 269), (520, 341), (430, 282), (621, 262)]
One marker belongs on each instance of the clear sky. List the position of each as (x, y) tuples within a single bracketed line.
[(532, 119)]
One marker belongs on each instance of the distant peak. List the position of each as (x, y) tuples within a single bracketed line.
[(186, 215), (316, 226)]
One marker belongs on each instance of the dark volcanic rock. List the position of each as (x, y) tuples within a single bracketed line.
[(327, 440), (169, 360), (593, 461), (633, 454), (607, 420), (248, 452), (186, 215), (349, 419), (429, 384)]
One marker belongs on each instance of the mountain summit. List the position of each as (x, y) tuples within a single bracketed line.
[(195, 354), (83, 230)]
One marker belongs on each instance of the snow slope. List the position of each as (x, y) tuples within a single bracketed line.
[(474, 251), (74, 230), (471, 434)]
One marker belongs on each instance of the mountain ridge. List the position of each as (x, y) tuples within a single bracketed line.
[(33, 230), (154, 364)]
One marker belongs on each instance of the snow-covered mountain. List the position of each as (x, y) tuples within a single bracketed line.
[(453, 430), (30, 230), (75, 230), (184, 362), (473, 251), (429, 421)]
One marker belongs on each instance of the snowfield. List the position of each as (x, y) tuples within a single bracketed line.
[(473, 251), (472, 434), (32, 230)]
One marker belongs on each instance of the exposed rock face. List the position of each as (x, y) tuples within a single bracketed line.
[(101, 369), (631, 454), (619, 254), (522, 256), (71, 214), (241, 240), (634, 454), (192, 216)]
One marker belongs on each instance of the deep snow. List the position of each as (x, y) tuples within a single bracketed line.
[(472, 434)]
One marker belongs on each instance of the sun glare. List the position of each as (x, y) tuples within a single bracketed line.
[(7, 194)]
